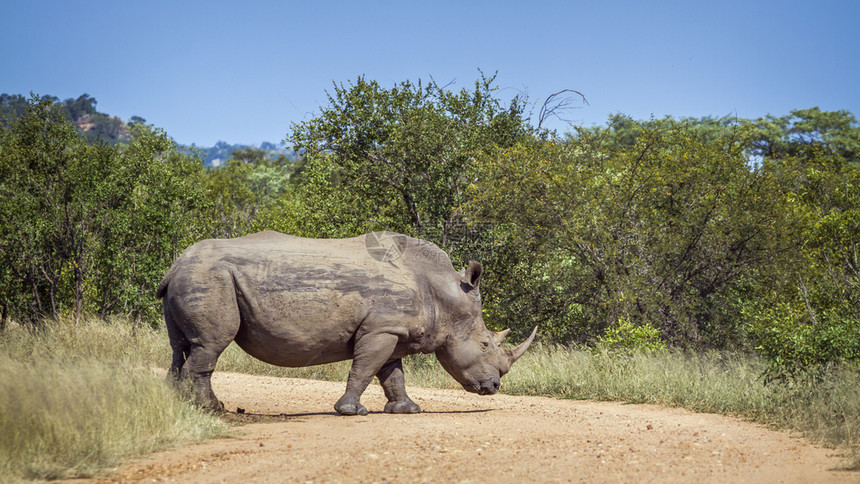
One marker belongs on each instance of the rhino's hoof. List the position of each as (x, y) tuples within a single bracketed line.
[(405, 406), (215, 406), (209, 405), (350, 408)]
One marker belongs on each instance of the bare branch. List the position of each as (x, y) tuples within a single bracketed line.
[(557, 103)]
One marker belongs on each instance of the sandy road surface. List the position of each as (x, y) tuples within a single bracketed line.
[(460, 437)]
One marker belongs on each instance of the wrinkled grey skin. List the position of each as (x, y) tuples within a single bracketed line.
[(295, 302)]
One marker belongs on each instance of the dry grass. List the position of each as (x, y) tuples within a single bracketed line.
[(75, 399)]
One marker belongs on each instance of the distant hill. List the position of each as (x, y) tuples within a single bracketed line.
[(112, 130), (81, 112)]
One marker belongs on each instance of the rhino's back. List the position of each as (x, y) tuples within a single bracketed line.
[(269, 244)]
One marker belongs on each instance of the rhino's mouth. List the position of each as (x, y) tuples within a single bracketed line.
[(487, 387)]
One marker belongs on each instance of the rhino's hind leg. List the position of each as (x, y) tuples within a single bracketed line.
[(392, 381), (198, 369), (178, 343), (200, 329)]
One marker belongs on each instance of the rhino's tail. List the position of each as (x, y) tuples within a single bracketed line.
[(162, 286)]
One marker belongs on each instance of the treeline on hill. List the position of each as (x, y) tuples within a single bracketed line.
[(103, 128), (81, 112), (718, 233)]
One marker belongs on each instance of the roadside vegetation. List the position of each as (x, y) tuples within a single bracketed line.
[(77, 398), (707, 263), (826, 412)]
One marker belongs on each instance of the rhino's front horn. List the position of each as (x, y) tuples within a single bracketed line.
[(515, 353)]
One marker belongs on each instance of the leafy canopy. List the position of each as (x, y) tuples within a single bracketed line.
[(400, 157)]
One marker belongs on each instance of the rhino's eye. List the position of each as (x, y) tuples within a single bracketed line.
[(485, 344)]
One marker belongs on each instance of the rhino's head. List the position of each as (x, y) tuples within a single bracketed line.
[(472, 354)]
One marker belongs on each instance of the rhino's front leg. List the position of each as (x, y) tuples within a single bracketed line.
[(394, 384), (369, 355)]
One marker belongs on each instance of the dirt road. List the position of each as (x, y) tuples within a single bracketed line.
[(296, 437)]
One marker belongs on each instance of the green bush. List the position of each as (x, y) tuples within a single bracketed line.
[(799, 348), (626, 337)]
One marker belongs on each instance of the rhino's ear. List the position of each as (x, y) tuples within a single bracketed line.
[(472, 274)]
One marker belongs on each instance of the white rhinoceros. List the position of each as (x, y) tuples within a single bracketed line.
[(292, 301)]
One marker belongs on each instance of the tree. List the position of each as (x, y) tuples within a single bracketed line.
[(156, 201), (242, 188), (11, 108), (665, 230), (85, 226), (400, 158), (84, 105), (808, 320), (250, 155), (806, 130), (45, 213)]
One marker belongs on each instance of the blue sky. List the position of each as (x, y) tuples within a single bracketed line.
[(242, 72)]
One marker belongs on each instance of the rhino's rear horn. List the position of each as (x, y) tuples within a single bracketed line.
[(515, 353), (500, 336)]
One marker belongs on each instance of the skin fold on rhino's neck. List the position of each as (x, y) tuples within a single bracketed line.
[(445, 317)]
